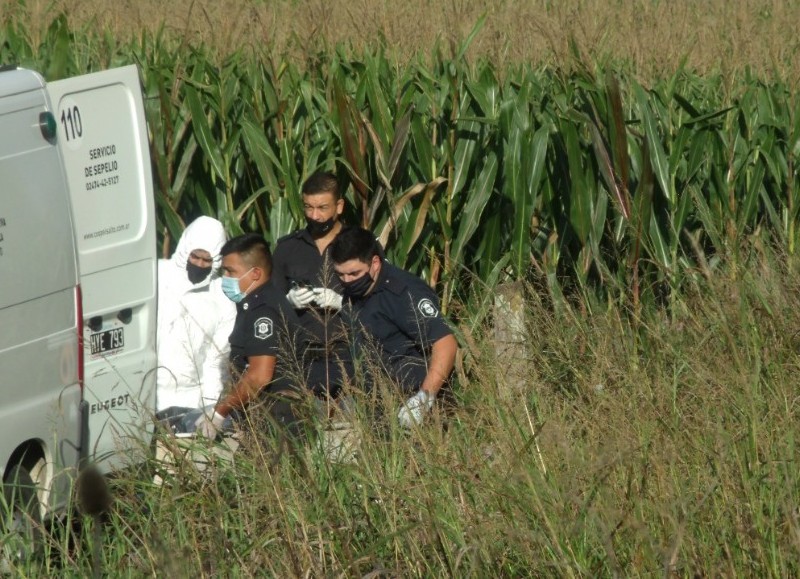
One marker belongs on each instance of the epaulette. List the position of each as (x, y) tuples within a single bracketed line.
[(395, 284), (293, 235), (288, 236)]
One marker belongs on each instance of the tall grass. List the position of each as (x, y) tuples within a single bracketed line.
[(641, 446)]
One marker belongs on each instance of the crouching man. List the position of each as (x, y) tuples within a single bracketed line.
[(194, 322), (262, 337), (398, 314)]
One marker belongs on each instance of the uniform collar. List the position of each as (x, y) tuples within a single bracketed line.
[(306, 236), (253, 298), (384, 277)]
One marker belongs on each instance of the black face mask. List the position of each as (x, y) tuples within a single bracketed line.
[(319, 228), (196, 273), (357, 288)]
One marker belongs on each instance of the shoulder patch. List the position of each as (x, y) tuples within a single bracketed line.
[(427, 308), (262, 328)]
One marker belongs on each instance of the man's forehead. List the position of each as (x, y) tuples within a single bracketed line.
[(232, 260), (350, 265), (201, 252), (318, 199)]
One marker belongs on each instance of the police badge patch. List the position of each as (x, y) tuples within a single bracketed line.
[(427, 309), (263, 328)]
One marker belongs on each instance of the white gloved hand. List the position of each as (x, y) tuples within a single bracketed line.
[(415, 409), (327, 298), (209, 425), (300, 297)]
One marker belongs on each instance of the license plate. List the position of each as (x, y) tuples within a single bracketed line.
[(108, 341)]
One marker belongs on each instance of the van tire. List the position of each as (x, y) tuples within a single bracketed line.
[(21, 520)]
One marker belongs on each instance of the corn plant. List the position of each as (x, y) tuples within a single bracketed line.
[(589, 180)]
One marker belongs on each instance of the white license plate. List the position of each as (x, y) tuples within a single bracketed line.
[(108, 341)]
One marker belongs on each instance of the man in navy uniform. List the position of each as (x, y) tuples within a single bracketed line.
[(398, 314), (262, 341), (302, 271)]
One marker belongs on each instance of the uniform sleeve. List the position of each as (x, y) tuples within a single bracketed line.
[(279, 263), (259, 335), (421, 318)]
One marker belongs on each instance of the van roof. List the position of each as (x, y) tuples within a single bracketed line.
[(19, 80)]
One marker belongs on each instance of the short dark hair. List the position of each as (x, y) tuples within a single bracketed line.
[(322, 182), (355, 243), (253, 249)]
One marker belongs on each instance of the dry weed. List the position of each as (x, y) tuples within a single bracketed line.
[(651, 37)]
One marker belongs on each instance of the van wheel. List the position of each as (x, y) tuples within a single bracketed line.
[(21, 520)]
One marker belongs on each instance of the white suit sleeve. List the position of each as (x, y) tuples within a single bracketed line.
[(216, 368)]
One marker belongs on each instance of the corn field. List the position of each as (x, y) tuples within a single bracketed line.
[(580, 179)]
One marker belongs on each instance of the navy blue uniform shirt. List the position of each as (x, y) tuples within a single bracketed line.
[(297, 259), (400, 317), (266, 325)]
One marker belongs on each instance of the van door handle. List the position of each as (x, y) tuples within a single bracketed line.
[(125, 316)]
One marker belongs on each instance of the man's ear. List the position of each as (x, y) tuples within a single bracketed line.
[(339, 206)]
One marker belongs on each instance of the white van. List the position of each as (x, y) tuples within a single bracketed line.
[(40, 300), (77, 279)]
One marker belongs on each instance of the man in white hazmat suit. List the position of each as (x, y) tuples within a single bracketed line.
[(195, 320)]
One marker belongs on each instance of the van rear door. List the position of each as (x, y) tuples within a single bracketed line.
[(103, 136)]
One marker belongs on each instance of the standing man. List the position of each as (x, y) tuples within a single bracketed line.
[(304, 273), (194, 321), (262, 337), (398, 314)]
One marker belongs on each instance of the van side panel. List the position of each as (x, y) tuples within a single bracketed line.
[(33, 224), (103, 138), (38, 273)]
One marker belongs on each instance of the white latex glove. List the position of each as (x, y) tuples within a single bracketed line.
[(209, 425), (300, 297), (327, 298), (415, 409)]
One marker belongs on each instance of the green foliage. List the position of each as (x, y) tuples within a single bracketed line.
[(587, 180)]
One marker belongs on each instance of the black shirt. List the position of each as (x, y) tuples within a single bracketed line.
[(266, 325), (400, 317), (297, 259)]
